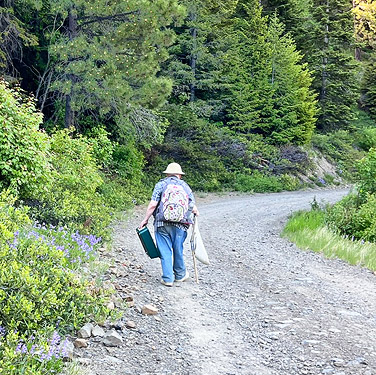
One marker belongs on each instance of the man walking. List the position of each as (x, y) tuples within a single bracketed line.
[(173, 205)]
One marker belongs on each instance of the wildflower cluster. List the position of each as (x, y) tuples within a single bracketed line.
[(77, 248), (54, 348), (321, 181), (40, 290)]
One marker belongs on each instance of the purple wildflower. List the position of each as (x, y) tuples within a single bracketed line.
[(19, 347), (55, 339)]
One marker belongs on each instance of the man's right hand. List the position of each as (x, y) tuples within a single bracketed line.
[(143, 223)]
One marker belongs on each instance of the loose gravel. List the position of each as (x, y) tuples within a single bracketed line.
[(263, 307)]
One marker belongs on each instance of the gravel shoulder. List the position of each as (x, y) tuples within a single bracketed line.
[(263, 307)]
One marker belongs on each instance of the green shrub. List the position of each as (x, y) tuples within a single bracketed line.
[(24, 164), (366, 138), (289, 182), (11, 219), (33, 355), (339, 217), (120, 194), (127, 162), (72, 198), (354, 218), (38, 287), (257, 182), (367, 174), (339, 148), (40, 291), (101, 146)]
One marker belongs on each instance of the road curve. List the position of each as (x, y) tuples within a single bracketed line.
[(263, 307)]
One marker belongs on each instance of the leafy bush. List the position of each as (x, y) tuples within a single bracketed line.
[(340, 216), (101, 145), (40, 291), (72, 197), (127, 162), (257, 182), (366, 138), (367, 174), (24, 164), (33, 355), (354, 215)]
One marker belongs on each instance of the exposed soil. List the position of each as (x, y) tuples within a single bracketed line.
[(263, 307)]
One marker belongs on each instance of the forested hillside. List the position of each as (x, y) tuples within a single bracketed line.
[(96, 97), (236, 91)]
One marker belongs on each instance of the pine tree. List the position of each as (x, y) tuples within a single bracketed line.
[(269, 86), (14, 35), (197, 55), (105, 58), (248, 71), (369, 87), (294, 14), (294, 101), (329, 51)]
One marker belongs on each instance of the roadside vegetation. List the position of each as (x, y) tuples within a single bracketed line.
[(308, 230), (97, 97), (347, 229)]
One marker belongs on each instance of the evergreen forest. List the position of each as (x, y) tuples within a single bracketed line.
[(97, 97)]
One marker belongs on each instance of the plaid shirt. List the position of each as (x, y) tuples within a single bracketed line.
[(156, 196)]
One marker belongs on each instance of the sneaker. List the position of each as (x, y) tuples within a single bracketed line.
[(186, 277), (166, 283)]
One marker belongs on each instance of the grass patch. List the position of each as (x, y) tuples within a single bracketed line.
[(308, 231)]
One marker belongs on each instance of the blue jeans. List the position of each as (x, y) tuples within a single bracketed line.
[(170, 241)]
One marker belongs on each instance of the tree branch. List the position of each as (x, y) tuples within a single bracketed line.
[(115, 17)]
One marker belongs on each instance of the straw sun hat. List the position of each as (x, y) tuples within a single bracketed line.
[(173, 168)]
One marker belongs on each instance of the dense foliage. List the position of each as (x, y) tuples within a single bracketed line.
[(23, 148), (242, 93), (354, 216), (272, 71), (40, 290)]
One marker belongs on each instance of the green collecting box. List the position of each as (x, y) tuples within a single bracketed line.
[(148, 243)]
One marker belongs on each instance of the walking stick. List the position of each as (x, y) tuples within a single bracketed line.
[(193, 248)]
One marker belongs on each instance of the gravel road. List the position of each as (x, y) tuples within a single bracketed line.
[(263, 307)]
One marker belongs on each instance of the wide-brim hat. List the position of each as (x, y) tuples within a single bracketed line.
[(173, 168)]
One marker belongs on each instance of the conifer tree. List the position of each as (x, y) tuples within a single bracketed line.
[(294, 14), (369, 87), (365, 21), (269, 86), (329, 50), (248, 71), (105, 57), (14, 35), (196, 57)]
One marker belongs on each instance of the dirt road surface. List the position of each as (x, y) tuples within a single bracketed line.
[(263, 307)]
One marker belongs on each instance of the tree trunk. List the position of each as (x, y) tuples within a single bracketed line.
[(357, 51), (193, 59), (72, 33), (324, 72)]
